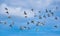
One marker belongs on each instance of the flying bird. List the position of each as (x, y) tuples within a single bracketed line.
[(56, 26), (28, 23), (25, 13), (23, 27), (11, 25), (46, 11), (32, 21), (39, 11), (56, 18), (48, 15), (44, 16), (9, 17), (6, 8), (7, 12), (5, 22), (31, 9), (40, 17)]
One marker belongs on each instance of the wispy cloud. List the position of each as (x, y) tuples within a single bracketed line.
[(15, 11), (17, 7)]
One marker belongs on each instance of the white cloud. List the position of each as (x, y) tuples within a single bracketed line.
[(15, 11), (18, 11), (29, 3)]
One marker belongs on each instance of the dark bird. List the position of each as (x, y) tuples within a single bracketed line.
[(9, 16), (25, 13), (11, 25), (44, 16), (40, 17), (32, 21), (6, 9), (39, 11), (56, 18), (48, 15), (46, 11), (56, 26), (28, 28), (52, 13), (28, 23), (56, 7), (23, 27), (7, 12), (38, 23), (5, 22), (31, 9), (25, 16)]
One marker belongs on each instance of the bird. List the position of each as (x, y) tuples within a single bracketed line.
[(56, 26), (6, 9), (44, 16), (11, 25), (5, 22), (9, 17), (7, 12), (32, 21), (28, 23), (52, 13), (48, 15), (31, 9), (39, 11), (56, 18), (46, 11), (56, 7), (22, 27), (38, 23), (25, 13), (40, 17), (28, 28), (25, 16)]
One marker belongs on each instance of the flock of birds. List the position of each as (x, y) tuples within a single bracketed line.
[(49, 13)]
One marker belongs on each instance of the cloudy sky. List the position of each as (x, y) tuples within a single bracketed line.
[(16, 10)]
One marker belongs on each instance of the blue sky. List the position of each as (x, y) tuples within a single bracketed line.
[(16, 10)]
